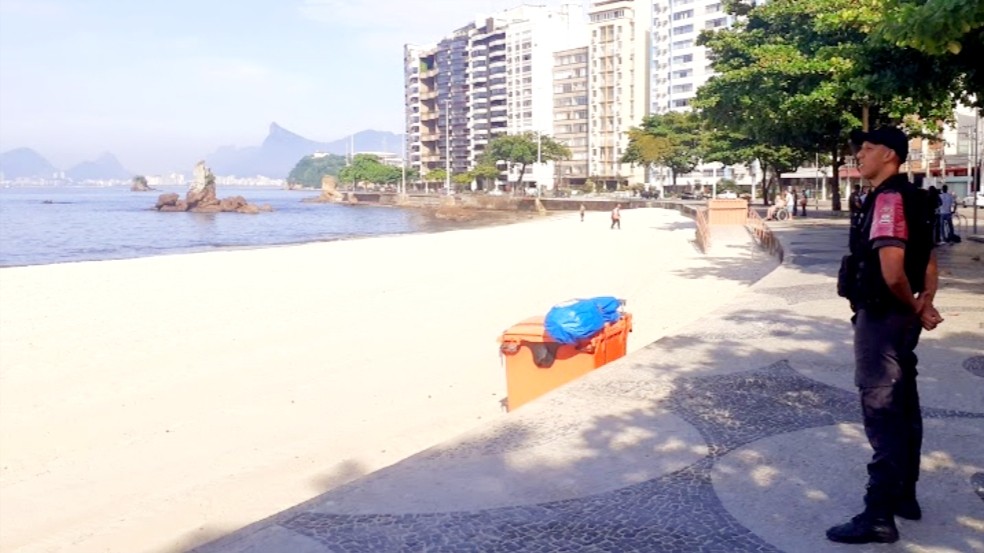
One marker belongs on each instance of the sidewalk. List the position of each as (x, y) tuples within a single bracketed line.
[(739, 433)]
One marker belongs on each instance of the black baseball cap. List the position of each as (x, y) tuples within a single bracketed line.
[(891, 137)]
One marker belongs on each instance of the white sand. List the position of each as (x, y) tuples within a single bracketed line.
[(154, 404)]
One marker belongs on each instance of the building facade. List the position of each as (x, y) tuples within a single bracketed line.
[(617, 89), (570, 114), (489, 78)]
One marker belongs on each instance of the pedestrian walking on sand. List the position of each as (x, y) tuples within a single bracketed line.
[(617, 216), (582, 213), (890, 278)]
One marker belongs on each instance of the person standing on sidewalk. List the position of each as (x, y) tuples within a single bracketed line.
[(947, 206), (617, 216), (891, 278), (582, 212), (791, 202)]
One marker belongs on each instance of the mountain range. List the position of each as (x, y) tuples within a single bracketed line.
[(25, 163), (282, 149), (274, 158)]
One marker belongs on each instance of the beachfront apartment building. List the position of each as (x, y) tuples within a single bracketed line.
[(488, 78), (678, 68), (570, 114), (618, 94)]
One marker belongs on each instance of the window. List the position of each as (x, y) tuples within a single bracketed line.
[(681, 103), (683, 29), (609, 15), (682, 74), (677, 89), (713, 8), (715, 23), (681, 44), (679, 16)]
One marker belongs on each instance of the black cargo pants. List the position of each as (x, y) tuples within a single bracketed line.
[(884, 352)]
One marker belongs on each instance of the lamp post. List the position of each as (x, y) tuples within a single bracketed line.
[(447, 143)]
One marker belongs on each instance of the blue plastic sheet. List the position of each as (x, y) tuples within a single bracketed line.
[(576, 320)]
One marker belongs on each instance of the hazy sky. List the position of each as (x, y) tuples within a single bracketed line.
[(162, 83)]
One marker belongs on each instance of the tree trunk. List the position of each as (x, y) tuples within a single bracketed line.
[(835, 196), (519, 179), (765, 185)]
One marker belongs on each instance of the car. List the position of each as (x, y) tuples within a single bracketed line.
[(969, 200), (728, 196), (695, 195)]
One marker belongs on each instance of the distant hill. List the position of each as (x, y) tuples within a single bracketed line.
[(105, 167), (25, 163), (282, 149)]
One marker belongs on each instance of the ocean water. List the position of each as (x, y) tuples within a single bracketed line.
[(88, 224)]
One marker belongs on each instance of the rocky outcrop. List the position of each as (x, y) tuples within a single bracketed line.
[(329, 192), (201, 197), (139, 184)]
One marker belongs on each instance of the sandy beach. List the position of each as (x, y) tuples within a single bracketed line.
[(150, 405)]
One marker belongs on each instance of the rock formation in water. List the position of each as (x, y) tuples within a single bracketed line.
[(329, 192), (201, 197), (140, 184)]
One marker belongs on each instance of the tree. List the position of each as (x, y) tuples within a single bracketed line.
[(310, 169), (486, 172), (672, 140), (801, 74), (522, 150), (436, 175), (462, 181), (952, 30), (368, 168)]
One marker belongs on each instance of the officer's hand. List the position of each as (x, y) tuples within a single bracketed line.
[(930, 317)]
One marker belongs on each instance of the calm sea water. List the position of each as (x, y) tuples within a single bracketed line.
[(86, 224)]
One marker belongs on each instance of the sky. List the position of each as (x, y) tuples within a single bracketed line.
[(163, 83)]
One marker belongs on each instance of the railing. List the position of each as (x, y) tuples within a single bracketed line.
[(703, 235), (763, 234)]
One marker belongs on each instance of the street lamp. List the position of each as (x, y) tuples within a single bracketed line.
[(447, 144)]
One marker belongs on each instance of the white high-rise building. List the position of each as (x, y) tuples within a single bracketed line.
[(679, 67), (618, 86), (492, 77)]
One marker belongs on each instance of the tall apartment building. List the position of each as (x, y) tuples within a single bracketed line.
[(679, 67), (491, 77), (570, 114), (618, 86)]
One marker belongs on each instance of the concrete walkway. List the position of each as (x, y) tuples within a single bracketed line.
[(739, 433)]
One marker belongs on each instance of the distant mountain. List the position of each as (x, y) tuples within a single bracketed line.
[(105, 167), (25, 163), (282, 149)]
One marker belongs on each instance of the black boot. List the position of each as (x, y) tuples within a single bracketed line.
[(875, 525), (865, 528), (907, 506)]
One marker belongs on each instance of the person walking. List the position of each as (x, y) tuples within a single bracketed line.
[(947, 206), (890, 278), (582, 212), (803, 200), (617, 217)]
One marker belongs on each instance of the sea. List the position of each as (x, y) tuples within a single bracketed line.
[(41, 226)]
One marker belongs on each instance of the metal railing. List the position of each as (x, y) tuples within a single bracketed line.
[(764, 236), (703, 234)]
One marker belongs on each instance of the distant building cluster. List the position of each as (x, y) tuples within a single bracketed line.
[(586, 79)]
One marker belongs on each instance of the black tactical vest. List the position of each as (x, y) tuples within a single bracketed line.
[(869, 288)]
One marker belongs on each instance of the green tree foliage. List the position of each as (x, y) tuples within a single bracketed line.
[(799, 75), (521, 150), (673, 140), (950, 29), (436, 175), (367, 168), (486, 173), (309, 170)]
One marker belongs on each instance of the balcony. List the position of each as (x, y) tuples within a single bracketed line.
[(428, 95)]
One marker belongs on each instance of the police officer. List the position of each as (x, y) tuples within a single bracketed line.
[(894, 281)]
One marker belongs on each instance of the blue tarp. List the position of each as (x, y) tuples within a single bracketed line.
[(576, 320)]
